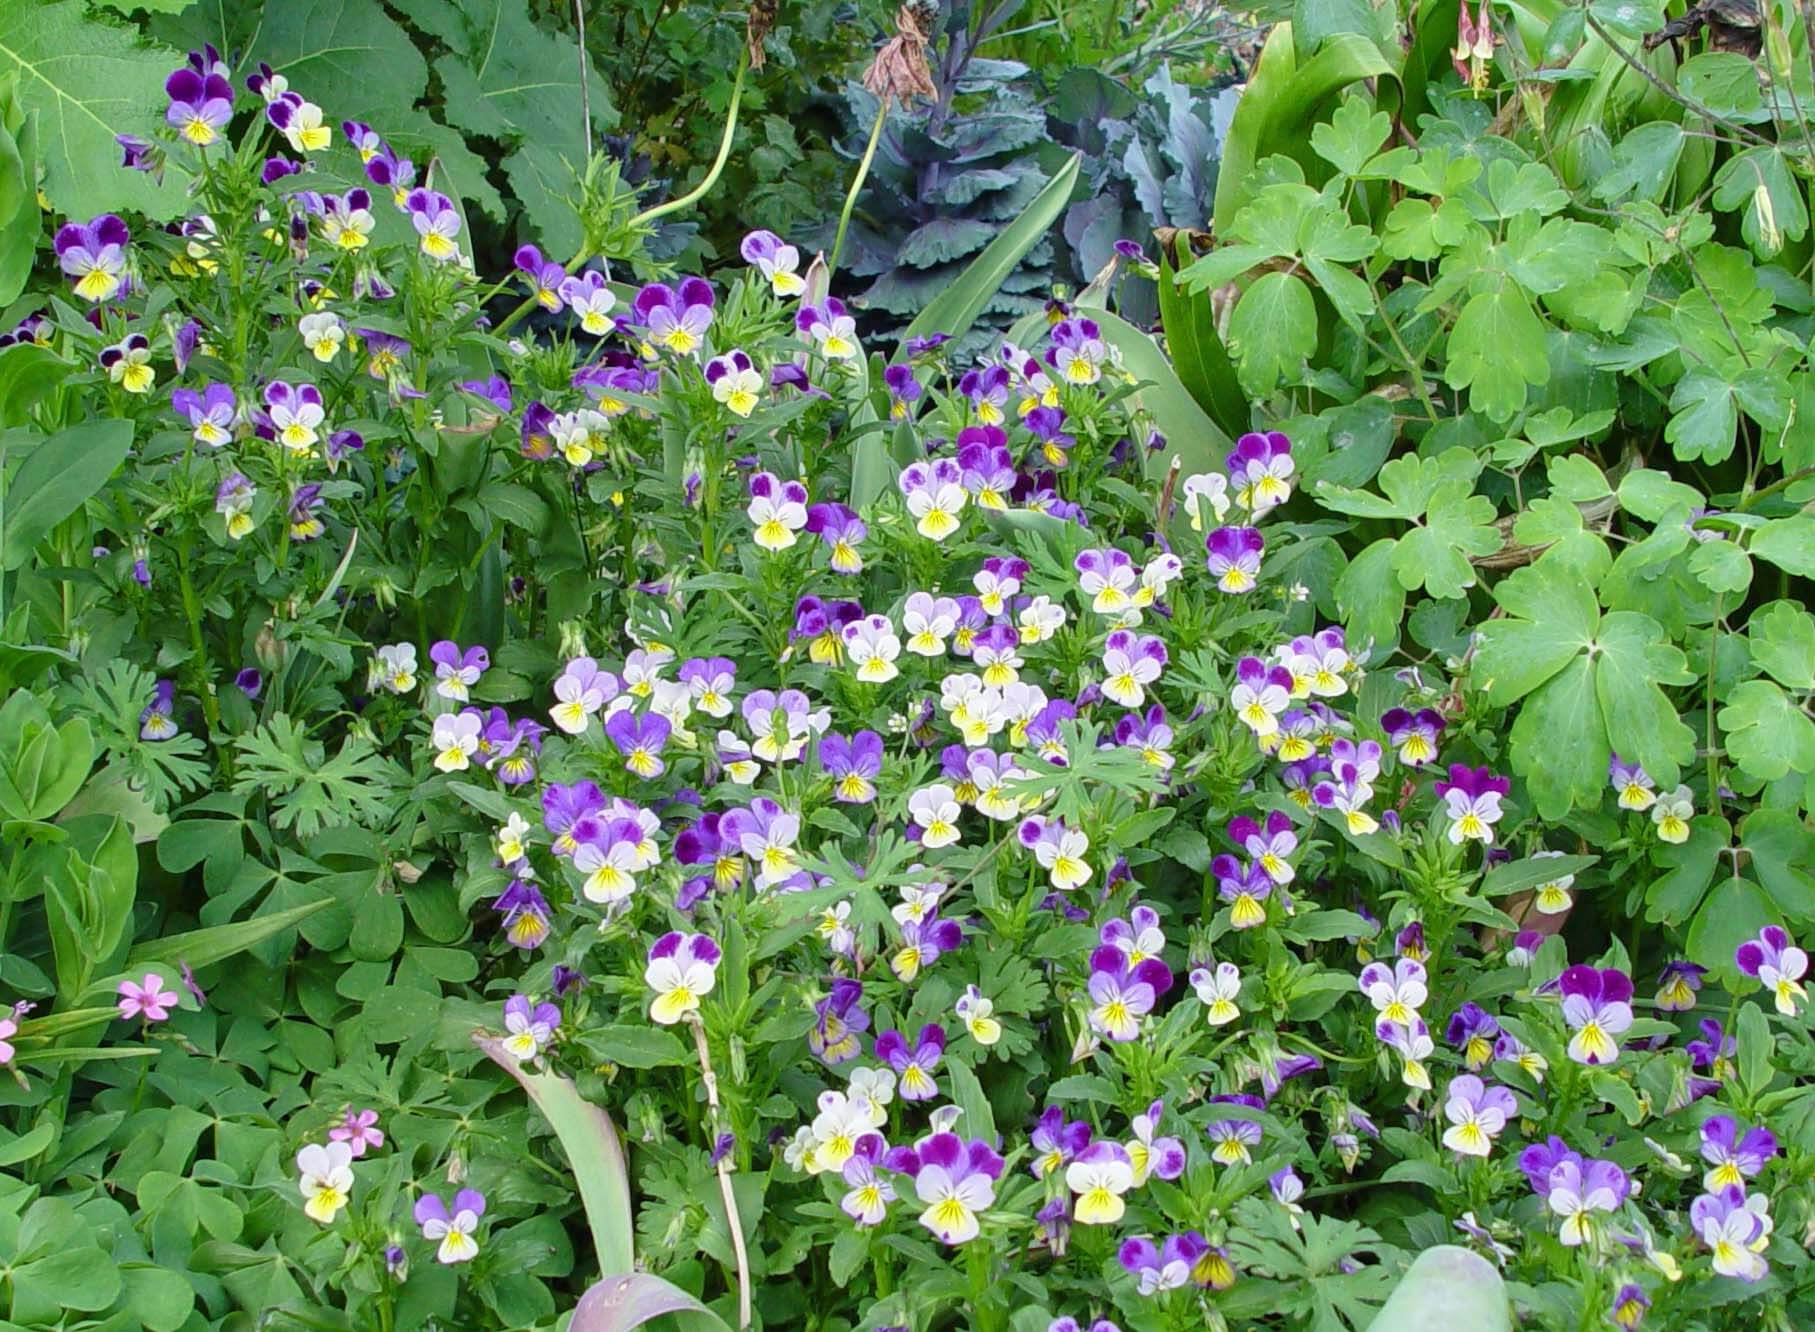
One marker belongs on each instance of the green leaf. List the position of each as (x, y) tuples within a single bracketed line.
[(1736, 910), (1706, 417), (1760, 181), (594, 1152), (638, 1046), (1781, 637), (1650, 494), (1689, 869), (1496, 351), (1723, 81), (56, 479), (1519, 875), (1562, 775), (1550, 618), (1510, 189), (1756, 1046), (200, 948), (1635, 659), (1356, 131), (956, 308), (1371, 597), (620, 1303), (1446, 1287), (350, 46), (1780, 849), (1644, 163), (1196, 349), (1435, 554), (27, 373), (1789, 543), (1273, 332), (1191, 436), (1768, 736), (87, 82)]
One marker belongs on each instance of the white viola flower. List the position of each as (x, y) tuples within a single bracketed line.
[(873, 647), (682, 969), (326, 1179), (1099, 1177), (528, 1031), (393, 668), (643, 667), (456, 739), (512, 839), (918, 902), (1039, 620), (323, 334), (777, 510), (928, 621), (1218, 990), (1671, 813), (877, 1086), (580, 436), (935, 810), (842, 1122), (935, 497), (1206, 491), (977, 1013), (1397, 992)]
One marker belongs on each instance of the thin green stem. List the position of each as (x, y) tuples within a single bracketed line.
[(863, 171), (699, 191)]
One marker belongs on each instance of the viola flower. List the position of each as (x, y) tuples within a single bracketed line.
[(1218, 990), (833, 330), (677, 320), (957, 1181), (783, 723), (1551, 898), (1413, 734), (1078, 351), (777, 510), (1524, 948), (326, 1181), (456, 671), (914, 1065), (986, 470), (93, 254), (1047, 426), (1148, 735), (681, 971), (1671, 813), (935, 497), (359, 1130), (1235, 1140), (1151, 1155), (437, 223), (1121, 995), (1632, 784), (867, 1199), (995, 653), (928, 622), (904, 391), (1260, 695), (776, 261), (1596, 1008), (1677, 984), (200, 106), (544, 277), (1477, 1114), (853, 765), (1234, 558), (1733, 1158), (304, 515), (842, 531), (640, 740), (1168, 1267), (456, 739), (529, 1031), (976, 1012), (209, 413), (346, 220), (838, 1023), (456, 1232), (300, 122), (1777, 964), (1629, 1305), (1245, 888), (922, 944), (1412, 1040), (581, 690), (1099, 1177), (128, 363), (1059, 849), (1107, 576), (1056, 1142), (1260, 469), (1733, 1231), (1473, 1030), (1138, 938), (148, 999), (1471, 799), (841, 1128), (766, 833), (323, 334), (1509, 1048), (735, 382), (1131, 662), (873, 647), (1270, 849), (709, 682), (295, 413), (155, 722), (525, 915), (394, 668)]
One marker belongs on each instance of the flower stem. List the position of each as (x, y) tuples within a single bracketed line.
[(863, 171), (732, 1223), (718, 163)]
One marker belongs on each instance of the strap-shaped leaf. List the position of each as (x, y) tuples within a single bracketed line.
[(619, 1303)]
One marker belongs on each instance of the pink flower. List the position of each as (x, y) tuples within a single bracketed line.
[(359, 1130), (150, 1000)]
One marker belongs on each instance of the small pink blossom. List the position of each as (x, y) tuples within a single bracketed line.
[(359, 1130), (149, 1000)]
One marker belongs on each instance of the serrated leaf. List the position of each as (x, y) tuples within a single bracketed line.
[(88, 82), (1768, 736), (1496, 351)]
